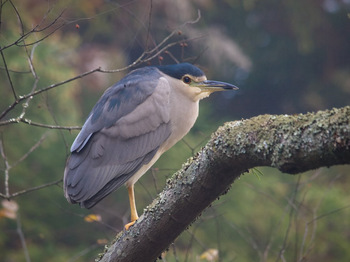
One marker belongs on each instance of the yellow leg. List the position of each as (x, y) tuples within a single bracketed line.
[(133, 210)]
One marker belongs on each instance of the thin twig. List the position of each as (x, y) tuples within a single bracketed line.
[(313, 222), (246, 237), (83, 252), (124, 8), (18, 16), (35, 84), (32, 123), (172, 56), (306, 230), (25, 191), (22, 238), (139, 60), (49, 25), (174, 252), (149, 23), (35, 30), (329, 213), (42, 38), (8, 74), (21, 98), (7, 194), (7, 168), (275, 230), (30, 61), (281, 253), (15, 71), (2, 54), (175, 32), (35, 146)]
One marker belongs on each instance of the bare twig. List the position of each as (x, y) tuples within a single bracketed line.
[(149, 23), (35, 146), (172, 56), (25, 191), (276, 229), (15, 71), (313, 222), (147, 28), (85, 251), (31, 94), (281, 253), (329, 213), (35, 84), (8, 74), (246, 237), (32, 123), (22, 238), (25, 35), (7, 169), (49, 25), (42, 38), (143, 58), (18, 16)]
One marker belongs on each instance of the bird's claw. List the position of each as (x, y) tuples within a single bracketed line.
[(128, 225)]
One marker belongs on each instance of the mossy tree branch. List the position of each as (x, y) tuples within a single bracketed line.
[(291, 143)]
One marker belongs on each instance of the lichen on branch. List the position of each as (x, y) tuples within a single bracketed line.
[(291, 143)]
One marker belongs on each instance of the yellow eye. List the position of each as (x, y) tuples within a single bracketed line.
[(186, 80)]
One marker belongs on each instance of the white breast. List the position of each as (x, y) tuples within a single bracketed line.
[(184, 106)]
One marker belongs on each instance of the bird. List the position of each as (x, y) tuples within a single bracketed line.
[(133, 123)]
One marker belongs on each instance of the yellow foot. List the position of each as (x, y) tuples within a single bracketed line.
[(128, 225)]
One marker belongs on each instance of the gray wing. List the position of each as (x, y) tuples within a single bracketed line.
[(122, 133)]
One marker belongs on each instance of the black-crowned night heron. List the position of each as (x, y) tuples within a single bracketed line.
[(131, 126)]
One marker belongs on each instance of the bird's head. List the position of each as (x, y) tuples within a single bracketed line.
[(191, 80)]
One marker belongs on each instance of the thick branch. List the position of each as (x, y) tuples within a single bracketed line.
[(292, 144)]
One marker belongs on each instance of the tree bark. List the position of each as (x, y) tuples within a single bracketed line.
[(291, 143)]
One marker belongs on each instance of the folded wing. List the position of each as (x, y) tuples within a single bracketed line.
[(122, 133)]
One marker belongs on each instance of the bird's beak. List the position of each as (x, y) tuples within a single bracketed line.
[(212, 86)]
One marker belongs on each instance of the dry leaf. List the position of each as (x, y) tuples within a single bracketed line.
[(92, 218), (9, 209), (210, 255), (102, 241)]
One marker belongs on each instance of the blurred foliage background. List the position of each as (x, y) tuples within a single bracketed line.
[(287, 57)]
